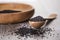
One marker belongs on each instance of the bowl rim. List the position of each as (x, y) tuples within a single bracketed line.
[(37, 21), (32, 8)]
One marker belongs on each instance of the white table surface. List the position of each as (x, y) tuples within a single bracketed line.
[(42, 8)]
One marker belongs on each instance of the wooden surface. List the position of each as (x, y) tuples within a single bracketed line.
[(7, 31)]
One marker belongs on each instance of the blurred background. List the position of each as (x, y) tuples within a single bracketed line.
[(43, 8)]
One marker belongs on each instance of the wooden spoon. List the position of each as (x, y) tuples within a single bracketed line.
[(39, 24)]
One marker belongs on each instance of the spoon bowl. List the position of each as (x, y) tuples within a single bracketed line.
[(36, 24)]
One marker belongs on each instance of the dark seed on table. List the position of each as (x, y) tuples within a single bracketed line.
[(53, 34), (50, 35), (3, 35), (11, 33), (58, 34), (18, 38)]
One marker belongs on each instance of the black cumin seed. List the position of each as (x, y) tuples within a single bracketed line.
[(9, 11), (38, 18), (29, 31)]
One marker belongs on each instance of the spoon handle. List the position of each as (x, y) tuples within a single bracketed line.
[(51, 16)]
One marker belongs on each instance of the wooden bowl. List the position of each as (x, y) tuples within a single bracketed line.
[(27, 12)]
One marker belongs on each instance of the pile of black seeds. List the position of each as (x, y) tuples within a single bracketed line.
[(29, 31), (9, 11), (38, 18), (25, 31)]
